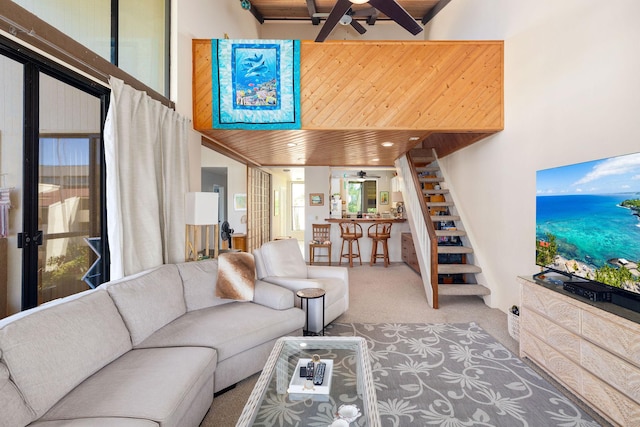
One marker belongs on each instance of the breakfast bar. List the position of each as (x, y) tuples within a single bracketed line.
[(395, 255)]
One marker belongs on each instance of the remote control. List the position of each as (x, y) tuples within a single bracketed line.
[(318, 376), (310, 370)]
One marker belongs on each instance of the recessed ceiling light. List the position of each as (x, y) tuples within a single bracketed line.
[(291, 144), (375, 160), (414, 138), (387, 144)]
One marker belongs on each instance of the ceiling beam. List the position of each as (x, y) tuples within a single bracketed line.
[(256, 13), (434, 11), (311, 6)]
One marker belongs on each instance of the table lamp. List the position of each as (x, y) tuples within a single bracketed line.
[(201, 209)]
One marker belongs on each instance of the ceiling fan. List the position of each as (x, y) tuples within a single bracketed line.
[(389, 7), (361, 175), (347, 18)]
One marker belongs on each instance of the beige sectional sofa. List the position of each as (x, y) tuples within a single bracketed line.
[(146, 350)]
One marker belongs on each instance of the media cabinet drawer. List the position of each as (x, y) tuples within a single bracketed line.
[(619, 408), (563, 369), (562, 312), (619, 374), (556, 336), (625, 341)]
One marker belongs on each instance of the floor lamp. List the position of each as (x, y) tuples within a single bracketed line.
[(201, 209)]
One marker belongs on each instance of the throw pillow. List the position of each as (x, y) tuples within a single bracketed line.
[(236, 276)]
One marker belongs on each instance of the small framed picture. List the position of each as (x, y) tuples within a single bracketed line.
[(240, 202), (316, 199), (384, 197)]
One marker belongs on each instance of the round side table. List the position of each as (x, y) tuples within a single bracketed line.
[(306, 295)]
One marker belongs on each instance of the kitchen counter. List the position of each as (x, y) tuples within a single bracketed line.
[(334, 220), (399, 226)]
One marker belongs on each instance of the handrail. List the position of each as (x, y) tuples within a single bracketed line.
[(423, 239), (431, 231)]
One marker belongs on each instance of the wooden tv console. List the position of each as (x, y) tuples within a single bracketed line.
[(584, 346)]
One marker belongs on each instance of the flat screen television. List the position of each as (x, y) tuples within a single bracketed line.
[(588, 224)]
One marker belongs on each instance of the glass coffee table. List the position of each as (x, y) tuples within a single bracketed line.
[(282, 397)]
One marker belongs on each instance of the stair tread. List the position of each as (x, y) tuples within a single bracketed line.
[(430, 179), (445, 233), (438, 204), (423, 160), (438, 218), (463, 289), (458, 268), (454, 250), (429, 168), (434, 191)]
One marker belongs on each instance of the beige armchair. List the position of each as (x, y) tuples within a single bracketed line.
[(281, 262)]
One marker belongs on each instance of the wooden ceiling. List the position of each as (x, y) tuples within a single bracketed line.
[(358, 95), (301, 10)]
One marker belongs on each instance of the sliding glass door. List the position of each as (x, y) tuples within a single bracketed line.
[(56, 172)]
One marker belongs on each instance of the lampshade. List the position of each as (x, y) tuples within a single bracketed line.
[(201, 208), (359, 1), (396, 196)]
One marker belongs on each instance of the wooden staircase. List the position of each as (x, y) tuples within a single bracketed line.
[(456, 271)]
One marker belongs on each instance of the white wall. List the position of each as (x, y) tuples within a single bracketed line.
[(571, 95), (236, 183), (205, 19), (317, 179)]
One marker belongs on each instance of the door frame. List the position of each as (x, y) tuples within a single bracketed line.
[(35, 64)]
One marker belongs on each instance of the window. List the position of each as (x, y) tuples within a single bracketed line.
[(134, 35), (361, 197)]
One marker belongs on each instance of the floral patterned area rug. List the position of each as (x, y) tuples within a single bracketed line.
[(456, 375)]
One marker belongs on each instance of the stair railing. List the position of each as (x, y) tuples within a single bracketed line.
[(422, 229)]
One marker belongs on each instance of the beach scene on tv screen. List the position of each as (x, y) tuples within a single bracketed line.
[(588, 220)]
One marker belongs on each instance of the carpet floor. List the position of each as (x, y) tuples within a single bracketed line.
[(396, 295), (456, 375)]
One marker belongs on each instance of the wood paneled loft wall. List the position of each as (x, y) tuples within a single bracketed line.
[(451, 89)]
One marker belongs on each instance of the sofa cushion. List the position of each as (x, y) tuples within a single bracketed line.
[(157, 384), (199, 282), (149, 301), (335, 289), (283, 258), (13, 412), (236, 276), (230, 328), (54, 348), (272, 296), (97, 422)]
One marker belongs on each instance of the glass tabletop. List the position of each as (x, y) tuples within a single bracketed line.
[(281, 397)]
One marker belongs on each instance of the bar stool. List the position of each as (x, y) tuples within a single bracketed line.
[(320, 238), (379, 233), (350, 233)]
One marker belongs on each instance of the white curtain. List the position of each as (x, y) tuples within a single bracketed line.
[(147, 176)]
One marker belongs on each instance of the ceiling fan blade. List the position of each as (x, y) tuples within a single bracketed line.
[(358, 26), (338, 11), (396, 12)]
